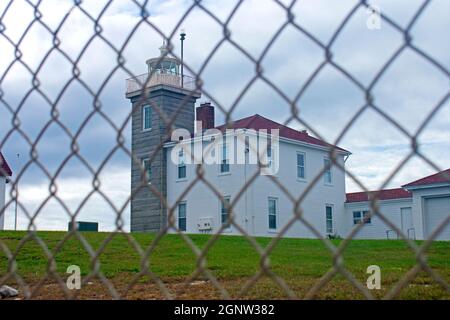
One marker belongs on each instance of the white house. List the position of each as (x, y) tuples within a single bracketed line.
[(262, 208), (5, 173)]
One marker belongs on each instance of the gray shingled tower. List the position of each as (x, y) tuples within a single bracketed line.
[(164, 93)]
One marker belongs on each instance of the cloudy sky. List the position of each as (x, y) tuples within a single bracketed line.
[(407, 92)]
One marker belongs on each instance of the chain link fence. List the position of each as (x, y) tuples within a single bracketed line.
[(12, 111)]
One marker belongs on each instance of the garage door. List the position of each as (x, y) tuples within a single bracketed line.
[(436, 211)]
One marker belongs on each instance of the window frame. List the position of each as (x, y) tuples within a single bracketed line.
[(222, 214), (328, 183), (362, 217), (181, 164), (182, 203), (270, 158), (357, 217), (143, 114), (329, 219), (269, 199), (149, 174), (298, 166), (367, 220), (224, 149)]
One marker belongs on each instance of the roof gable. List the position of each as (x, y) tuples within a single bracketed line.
[(258, 122), (5, 170), (437, 178)]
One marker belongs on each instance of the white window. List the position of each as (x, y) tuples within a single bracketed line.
[(182, 216), (225, 161), (301, 165), (146, 117), (181, 165), (147, 166), (327, 174), (329, 218), (361, 216), (224, 214), (273, 208)]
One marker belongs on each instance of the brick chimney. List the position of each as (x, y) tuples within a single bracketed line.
[(205, 114)]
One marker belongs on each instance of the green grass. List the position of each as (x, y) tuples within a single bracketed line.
[(301, 262)]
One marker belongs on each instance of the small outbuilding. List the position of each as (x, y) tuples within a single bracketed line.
[(420, 210), (84, 226), (431, 205)]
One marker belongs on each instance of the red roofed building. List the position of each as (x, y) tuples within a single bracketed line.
[(420, 209), (431, 205), (5, 172)]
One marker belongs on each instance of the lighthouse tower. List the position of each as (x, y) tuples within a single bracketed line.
[(156, 97)]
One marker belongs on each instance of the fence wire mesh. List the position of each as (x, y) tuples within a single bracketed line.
[(338, 267)]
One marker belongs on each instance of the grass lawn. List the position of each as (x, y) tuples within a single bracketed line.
[(232, 260)]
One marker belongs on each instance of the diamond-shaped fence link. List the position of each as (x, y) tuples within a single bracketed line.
[(141, 82)]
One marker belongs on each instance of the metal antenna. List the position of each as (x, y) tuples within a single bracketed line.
[(182, 37)]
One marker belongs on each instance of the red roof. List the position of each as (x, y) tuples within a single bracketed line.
[(258, 122), (387, 194), (5, 170), (440, 177)]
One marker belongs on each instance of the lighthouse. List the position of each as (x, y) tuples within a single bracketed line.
[(163, 99)]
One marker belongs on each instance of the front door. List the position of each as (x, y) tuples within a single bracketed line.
[(407, 223)]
